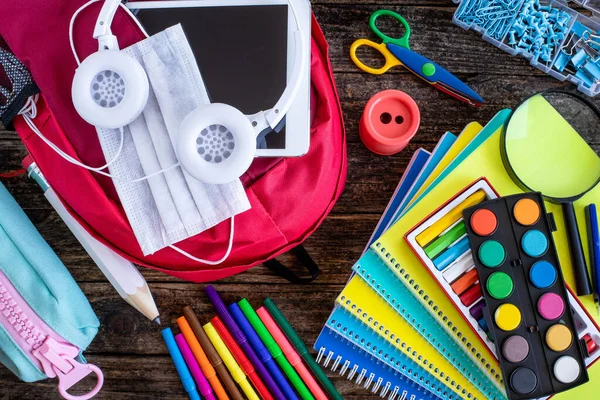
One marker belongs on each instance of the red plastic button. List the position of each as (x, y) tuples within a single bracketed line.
[(390, 120)]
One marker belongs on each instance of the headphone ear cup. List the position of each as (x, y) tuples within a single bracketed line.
[(110, 89), (216, 143)]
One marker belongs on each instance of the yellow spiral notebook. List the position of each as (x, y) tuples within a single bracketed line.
[(365, 304)]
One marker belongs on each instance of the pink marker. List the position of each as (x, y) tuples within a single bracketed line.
[(291, 354), (201, 381)]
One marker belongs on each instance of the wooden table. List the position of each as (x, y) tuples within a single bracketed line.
[(129, 349)]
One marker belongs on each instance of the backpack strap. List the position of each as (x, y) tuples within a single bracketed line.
[(305, 260)]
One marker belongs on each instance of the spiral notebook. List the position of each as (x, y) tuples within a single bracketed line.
[(406, 375), (382, 280), (356, 365)]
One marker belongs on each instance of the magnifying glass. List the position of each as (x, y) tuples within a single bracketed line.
[(551, 145)]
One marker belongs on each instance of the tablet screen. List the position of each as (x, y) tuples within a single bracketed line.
[(241, 52)]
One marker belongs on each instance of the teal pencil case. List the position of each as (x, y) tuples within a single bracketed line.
[(45, 319)]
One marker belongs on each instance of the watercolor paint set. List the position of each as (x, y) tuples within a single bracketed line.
[(527, 304), (439, 242), (556, 39)]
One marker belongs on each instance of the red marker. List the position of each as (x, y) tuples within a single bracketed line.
[(241, 358)]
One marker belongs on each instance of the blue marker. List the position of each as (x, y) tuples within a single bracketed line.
[(594, 243), (261, 350), (182, 369), (451, 253)]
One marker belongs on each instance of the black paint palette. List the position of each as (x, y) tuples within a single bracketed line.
[(527, 305)]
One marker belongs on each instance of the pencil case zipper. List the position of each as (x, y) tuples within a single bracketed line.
[(47, 350)]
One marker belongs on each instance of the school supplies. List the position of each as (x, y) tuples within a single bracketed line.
[(301, 348), (389, 121), (365, 304), (236, 372), (241, 358), (207, 369), (594, 250), (276, 352), (45, 320), (357, 365), (557, 39), (291, 354), (201, 381), (482, 157), (241, 340), (180, 366), (527, 305), (256, 343), (211, 353), (397, 52), (122, 274), (458, 278), (535, 139)]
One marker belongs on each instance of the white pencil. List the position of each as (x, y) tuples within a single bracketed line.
[(122, 274)]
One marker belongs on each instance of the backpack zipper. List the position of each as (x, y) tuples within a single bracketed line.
[(45, 348)]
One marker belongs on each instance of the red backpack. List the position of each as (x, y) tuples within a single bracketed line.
[(290, 197)]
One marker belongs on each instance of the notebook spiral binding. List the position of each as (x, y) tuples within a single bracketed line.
[(379, 277), (354, 331), (364, 370), (437, 313)]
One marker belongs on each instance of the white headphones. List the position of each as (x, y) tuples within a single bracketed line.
[(215, 144), (110, 88)]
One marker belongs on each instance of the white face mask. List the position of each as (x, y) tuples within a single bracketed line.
[(170, 206)]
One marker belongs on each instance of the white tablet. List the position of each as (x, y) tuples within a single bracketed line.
[(245, 52)]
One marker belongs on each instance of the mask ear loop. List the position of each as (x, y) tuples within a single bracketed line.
[(29, 113), (209, 262)]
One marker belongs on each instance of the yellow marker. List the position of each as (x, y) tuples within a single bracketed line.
[(234, 369), (429, 234)]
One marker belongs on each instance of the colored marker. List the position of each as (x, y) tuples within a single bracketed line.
[(241, 358), (240, 338), (429, 234), (452, 253), (233, 367), (440, 244), (594, 241), (212, 354), (182, 369), (257, 344), (201, 381), (291, 354), (275, 351), (200, 355), (301, 348)]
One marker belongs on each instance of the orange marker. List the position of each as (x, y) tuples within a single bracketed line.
[(207, 368), (465, 282)]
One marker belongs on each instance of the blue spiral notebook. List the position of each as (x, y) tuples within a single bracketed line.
[(351, 329), (359, 366)]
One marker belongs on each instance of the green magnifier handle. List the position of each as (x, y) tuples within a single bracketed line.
[(582, 277)]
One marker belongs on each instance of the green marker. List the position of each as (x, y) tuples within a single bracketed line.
[(444, 241), (301, 349), (275, 350)]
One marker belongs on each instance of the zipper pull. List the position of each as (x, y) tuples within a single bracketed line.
[(58, 360)]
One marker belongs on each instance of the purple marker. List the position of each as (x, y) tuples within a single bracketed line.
[(241, 340), (201, 381)]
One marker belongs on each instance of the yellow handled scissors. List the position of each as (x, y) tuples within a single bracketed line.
[(397, 52)]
